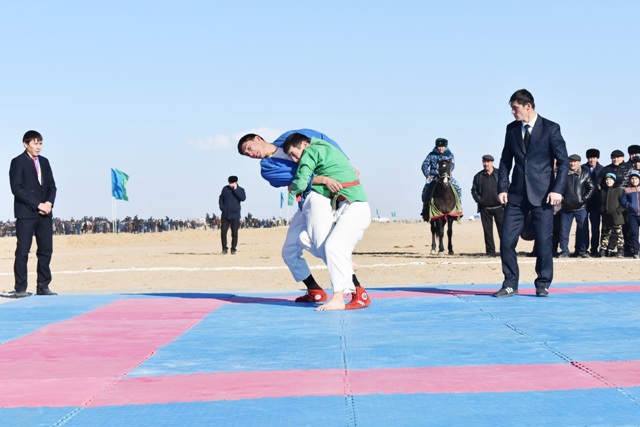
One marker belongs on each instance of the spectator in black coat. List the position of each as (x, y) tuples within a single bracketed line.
[(229, 202)]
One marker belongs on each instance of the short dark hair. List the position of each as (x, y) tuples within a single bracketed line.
[(294, 140), (247, 137), (233, 179), (30, 135), (522, 97)]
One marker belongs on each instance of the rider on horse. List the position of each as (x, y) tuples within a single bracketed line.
[(430, 171)]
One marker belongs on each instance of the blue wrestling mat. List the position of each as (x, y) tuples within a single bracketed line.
[(437, 356)]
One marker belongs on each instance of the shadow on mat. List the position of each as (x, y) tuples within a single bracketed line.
[(435, 291), (233, 299)]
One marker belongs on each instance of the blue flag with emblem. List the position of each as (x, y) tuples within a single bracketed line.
[(118, 184)]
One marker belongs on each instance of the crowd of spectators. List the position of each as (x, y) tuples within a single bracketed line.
[(96, 225)]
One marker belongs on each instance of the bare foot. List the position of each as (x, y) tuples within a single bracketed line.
[(355, 266), (335, 303)]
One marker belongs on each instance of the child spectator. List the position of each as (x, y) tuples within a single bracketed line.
[(612, 216), (631, 202)]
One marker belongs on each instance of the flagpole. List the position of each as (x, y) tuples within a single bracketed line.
[(113, 214)]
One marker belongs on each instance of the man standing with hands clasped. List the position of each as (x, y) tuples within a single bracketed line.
[(485, 192), (229, 202), (531, 145), (34, 191)]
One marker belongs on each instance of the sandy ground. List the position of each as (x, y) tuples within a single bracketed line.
[(390, 255)]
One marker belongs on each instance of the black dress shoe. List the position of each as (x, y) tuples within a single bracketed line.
[(542, 292), (505, 292), (22, 294), (46, 291)]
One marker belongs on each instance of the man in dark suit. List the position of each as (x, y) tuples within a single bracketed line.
[(531, 146), (34, 191)]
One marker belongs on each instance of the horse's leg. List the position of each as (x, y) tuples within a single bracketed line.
[(441, 223), (433, 237), (450, 234)]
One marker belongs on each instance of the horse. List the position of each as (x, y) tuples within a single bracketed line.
[(443, 197)]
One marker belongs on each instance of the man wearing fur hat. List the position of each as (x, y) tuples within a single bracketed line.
[(430, 171), (593, 167), (634, 153)]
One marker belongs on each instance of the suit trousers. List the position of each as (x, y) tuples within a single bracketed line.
[(512, 226), (42, 228), (235, 225), (487, 216)]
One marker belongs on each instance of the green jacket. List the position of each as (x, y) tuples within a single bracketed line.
[(322, 158)]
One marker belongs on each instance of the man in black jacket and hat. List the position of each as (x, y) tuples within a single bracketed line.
[(229, 202), (593, 167)]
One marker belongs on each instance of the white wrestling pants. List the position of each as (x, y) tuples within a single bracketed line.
[(308, 229), (352, 219), (332, 236), (292, 248)]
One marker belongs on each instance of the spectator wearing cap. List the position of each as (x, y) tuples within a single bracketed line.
[(593, 167), (618, 167), (612, 216), (631, 202), (430, 170), (485, 192), (579, 190), (229, 202)]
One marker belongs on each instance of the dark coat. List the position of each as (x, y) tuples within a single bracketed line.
[(593, 204), (621, 171), (485, 189), (610, 207), (533, 176), (229, 202), (579, 190), (27, 191)]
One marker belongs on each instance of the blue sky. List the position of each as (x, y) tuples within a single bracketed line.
[(163, 90)]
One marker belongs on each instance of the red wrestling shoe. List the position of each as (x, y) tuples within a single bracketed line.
[(360, 299), (313, 295)]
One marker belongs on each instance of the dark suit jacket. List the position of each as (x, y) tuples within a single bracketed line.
[(533, 175), (27, 191)]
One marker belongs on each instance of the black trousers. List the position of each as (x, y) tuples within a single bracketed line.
[(513, 225), (487, 216), (26, 228), (235, 225)]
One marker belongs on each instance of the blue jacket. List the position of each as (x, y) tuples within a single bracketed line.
[(631, 200), (280, 172), (430, 164)]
